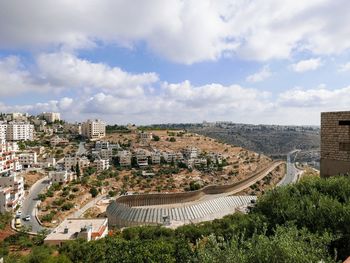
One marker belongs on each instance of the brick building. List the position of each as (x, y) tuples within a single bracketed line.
[(335, 143)]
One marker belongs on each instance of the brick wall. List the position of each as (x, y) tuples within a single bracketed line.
[(335, 143)]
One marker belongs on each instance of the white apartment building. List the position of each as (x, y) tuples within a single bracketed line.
[(124, 158), (71, 162), (51, 117), (169, 156), (155, 157), (93, 129), (101, 164), (27, 159), (61, 176), (17, 131), (142, 157), (3, 129), (191, 152), (15, 194), (5, 199), (8, 159)]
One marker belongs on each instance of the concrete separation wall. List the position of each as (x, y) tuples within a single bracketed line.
[(172, 198)]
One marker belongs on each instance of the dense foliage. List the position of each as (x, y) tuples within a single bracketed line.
[(305, 222)]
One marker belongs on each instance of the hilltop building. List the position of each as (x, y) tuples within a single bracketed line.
[(93, 129), (51, 117), (335, 143)]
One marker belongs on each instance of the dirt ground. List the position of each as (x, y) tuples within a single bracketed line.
[(4, 233), (31, 177), (240, 161)]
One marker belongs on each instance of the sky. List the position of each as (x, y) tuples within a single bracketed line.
[(176, 61)]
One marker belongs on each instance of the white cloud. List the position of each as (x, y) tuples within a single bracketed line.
[(67, 70), (307, 65), (261, 75), (15, 79), (345, 67), (321, 98), (181, 31)]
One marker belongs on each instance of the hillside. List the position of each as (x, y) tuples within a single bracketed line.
[(271, 140), (303, 222)]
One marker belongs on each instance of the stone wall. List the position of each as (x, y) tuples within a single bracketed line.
[(335, 143)]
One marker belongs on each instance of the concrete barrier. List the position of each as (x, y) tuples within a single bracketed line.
[(172, 198)]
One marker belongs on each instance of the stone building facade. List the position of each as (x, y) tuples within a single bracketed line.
[(335, 143)]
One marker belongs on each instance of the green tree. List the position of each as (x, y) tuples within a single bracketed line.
[(93, 191), (77, 170)]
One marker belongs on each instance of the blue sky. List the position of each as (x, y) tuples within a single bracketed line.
[(275, 62)]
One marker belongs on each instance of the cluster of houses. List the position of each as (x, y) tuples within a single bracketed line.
[(11, 184), (190, 156)]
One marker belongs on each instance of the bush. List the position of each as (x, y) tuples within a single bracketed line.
[(93, 192), (112, 193), (156, 138), (67, 206)]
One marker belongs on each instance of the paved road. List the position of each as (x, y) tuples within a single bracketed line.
[(81, 149), (30, 202), (292, 172)]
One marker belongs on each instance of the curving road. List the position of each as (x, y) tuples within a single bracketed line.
[(30, 203), (81, 150), (292, 172)]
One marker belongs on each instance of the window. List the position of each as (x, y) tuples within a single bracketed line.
[(344, 123)]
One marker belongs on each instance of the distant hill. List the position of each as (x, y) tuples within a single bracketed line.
[(266, 141), (272, 140)]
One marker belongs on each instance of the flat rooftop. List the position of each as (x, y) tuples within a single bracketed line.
[(74, 226)]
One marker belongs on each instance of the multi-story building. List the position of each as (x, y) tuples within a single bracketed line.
[(74, 228), (155, 157), (191, 152), (335, 143), (3, 130), (124, 158), (51, 117), (8, 159), (15, 194), (61, 176), (93, 129), (105, 150), (5, 199), (169, 156), (142, 157), (27, 159), (19, 131), (106, 154), (101, 164), (70, 161)]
